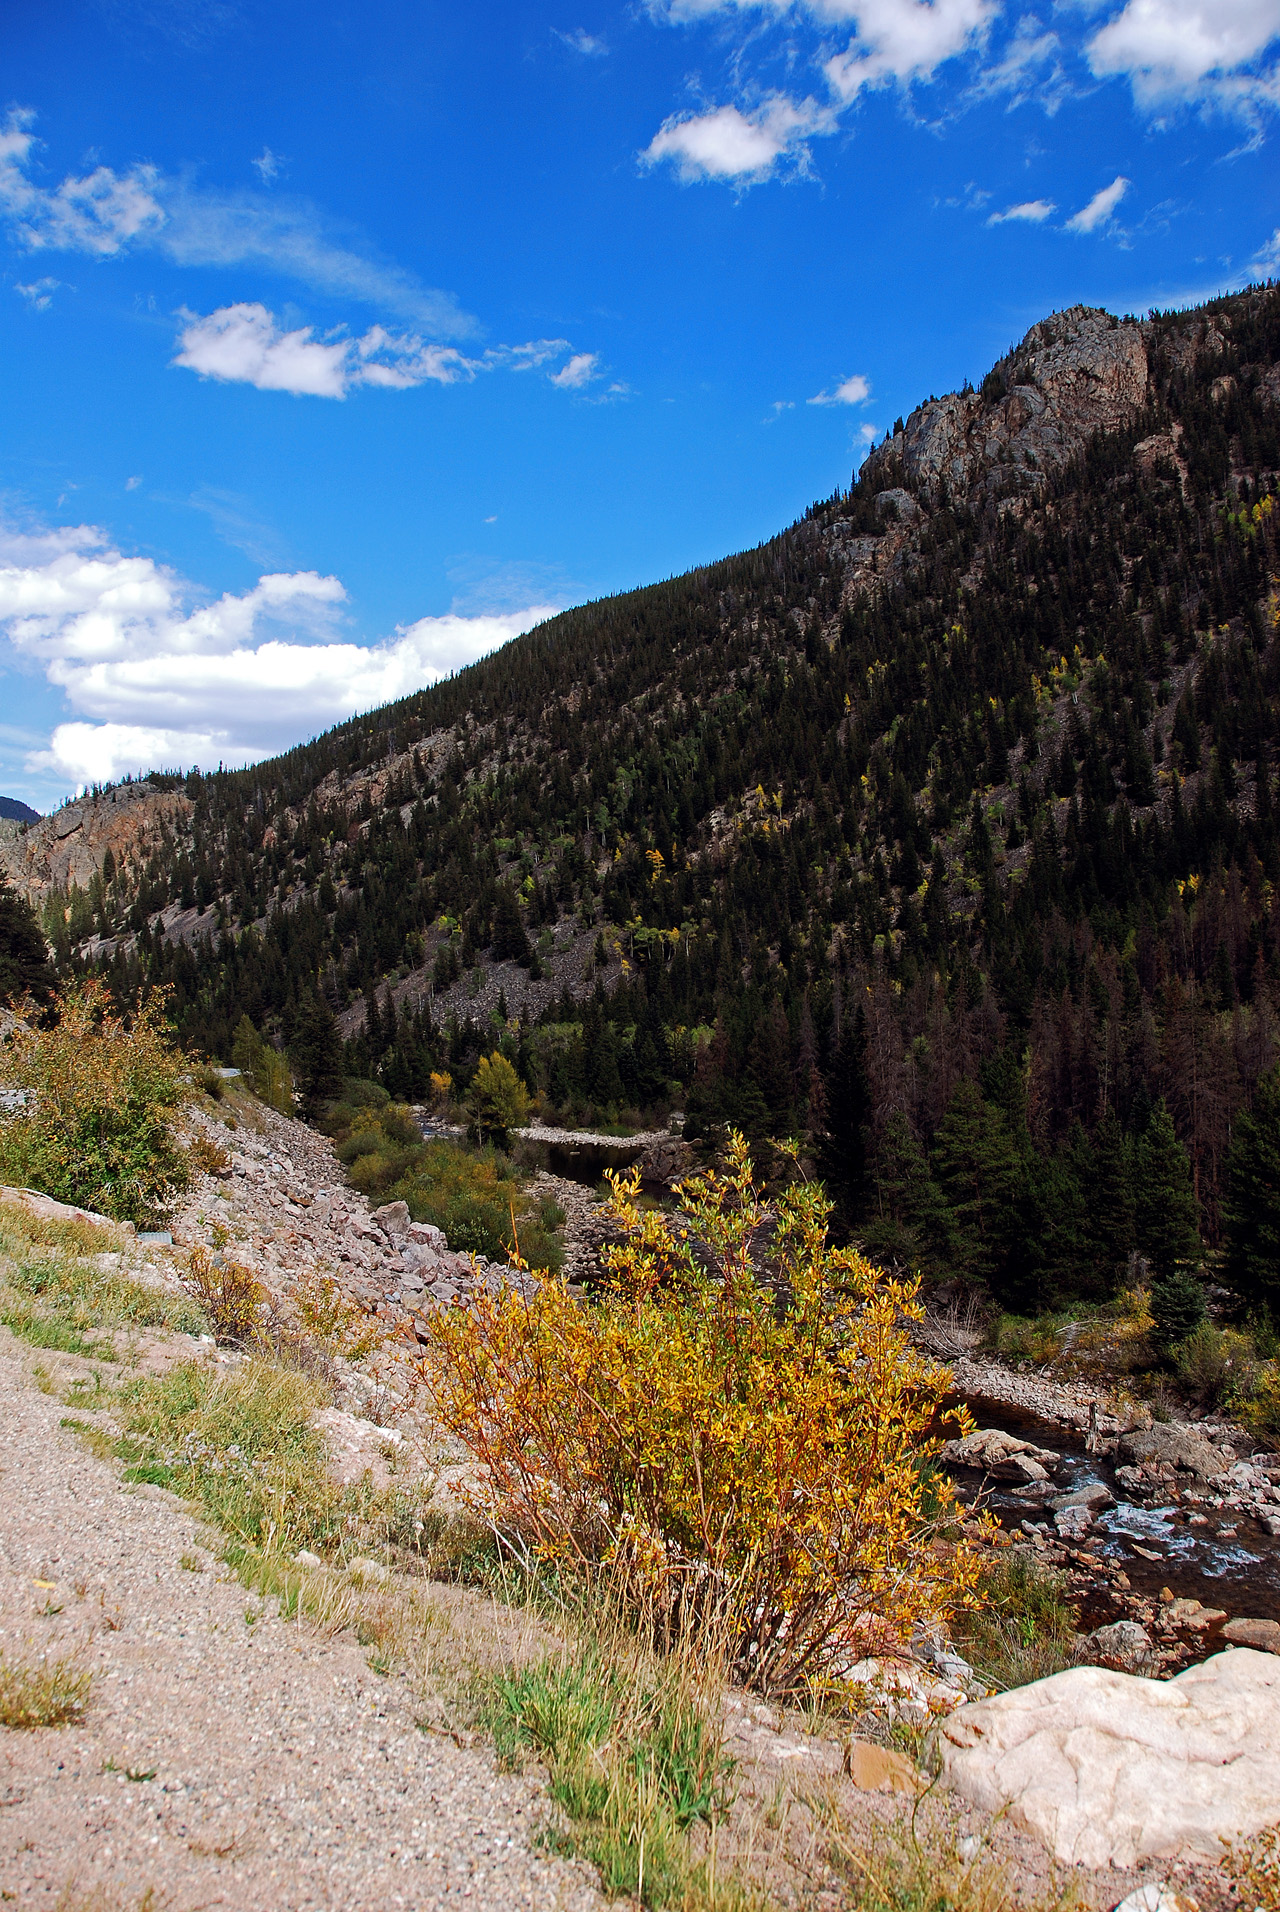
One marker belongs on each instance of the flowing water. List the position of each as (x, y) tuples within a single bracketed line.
[(1240, 1573)]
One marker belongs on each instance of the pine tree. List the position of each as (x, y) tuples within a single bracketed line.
[(1164, 1201), (983, 1177), (1252, 1208), (315, 1052), (24, 960)]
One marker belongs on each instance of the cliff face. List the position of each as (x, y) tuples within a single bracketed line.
[(132, 821), (1080, 372)]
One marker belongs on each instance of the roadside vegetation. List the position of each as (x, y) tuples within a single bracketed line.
[(475, 1194), (98, 1097)]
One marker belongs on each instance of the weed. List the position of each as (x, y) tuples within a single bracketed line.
[(229, 1295), (58, 1299), (97, 1127), (728, 1453), (1023, 1627), (902, 1869), (1253, 1866), (139, 1775), (48, 1693), (98, 1899), (191, 1563)]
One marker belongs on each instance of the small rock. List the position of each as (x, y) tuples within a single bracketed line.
[(875, 1768), (1093, 1495), (1262, 1634), (393, 1219), (305, 1558), (362, 1567), (1155, 1898), (1073, 1523)]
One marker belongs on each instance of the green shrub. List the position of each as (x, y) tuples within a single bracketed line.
[(1216, 1365), (1177, 1309), (472, 1194), (97, 1128)]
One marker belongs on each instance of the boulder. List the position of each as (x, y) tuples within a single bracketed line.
[(1109, 1768), (1262, 1634), (393, 1219), (991, 1451), (1167, 1441), (1073, 1522), (1124, 1644), (874, 1768), (1094, 1496)]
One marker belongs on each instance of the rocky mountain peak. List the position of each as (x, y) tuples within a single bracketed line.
[(1075, 373)]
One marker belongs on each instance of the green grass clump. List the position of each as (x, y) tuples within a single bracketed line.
[(241, 1444), (634, 1760), (1024, 1626), (906, 1868), (48, 1693)]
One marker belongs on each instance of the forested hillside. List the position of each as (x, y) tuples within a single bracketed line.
[(941, 829)]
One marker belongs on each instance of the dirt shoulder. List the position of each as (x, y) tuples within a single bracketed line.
[(226, 1757)]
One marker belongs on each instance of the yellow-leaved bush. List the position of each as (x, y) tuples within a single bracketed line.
[(739, 1422)]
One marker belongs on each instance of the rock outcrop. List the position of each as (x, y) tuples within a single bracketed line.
[(1074, 374), (1109, 1768)]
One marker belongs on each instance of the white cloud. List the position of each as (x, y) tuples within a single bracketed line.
[(153, 677), (580, 371), (39, 294), (902, 40), (728, 144), (242, 344), (1190, 48), (867, 434), (131, 484), (1267, 262), (850, 391), (267, 166), (1033, 211), (108, 213), (1100, 207), (590, 45)]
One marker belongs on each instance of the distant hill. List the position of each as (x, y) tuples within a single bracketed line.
[(12, 810), (942, 830)]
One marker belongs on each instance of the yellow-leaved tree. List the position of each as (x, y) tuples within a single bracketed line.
[(739, 1423)]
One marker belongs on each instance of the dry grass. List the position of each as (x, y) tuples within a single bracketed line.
[(42, 1693), (904, 1868), (97, 1898), (1253, 1866)]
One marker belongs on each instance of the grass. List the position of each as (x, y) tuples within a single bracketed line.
[(64, 1290), (633, 1752), (906, 1868), (44, 1693), (1025, 1627)]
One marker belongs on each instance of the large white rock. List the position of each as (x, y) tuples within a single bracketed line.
[(1109, 1768)]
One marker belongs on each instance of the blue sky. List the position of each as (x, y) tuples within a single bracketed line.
[(340, 342)]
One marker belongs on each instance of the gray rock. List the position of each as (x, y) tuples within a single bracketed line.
[(1093, 1495), (1171, 1442), (1262, 1635), (1074, 1522), (1124, 1644), (393, 1219)]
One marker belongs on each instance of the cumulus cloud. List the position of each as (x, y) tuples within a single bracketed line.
[(902, 40), (580, 371), (243, 345), (1100, 207), (1188, 48), (850, 391), (726, 143), (155, 677), (1033, 212)]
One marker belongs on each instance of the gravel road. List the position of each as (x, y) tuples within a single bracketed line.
[(225, 1759)]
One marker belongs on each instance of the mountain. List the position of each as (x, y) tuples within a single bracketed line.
[(13, 810), (941, 828)]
